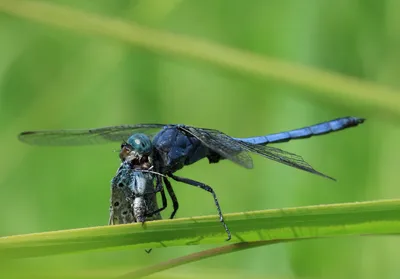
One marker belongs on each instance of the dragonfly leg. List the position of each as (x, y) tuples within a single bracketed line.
[(171, 193), (159, 186), (208, 189), (164, 201), (163, 198)]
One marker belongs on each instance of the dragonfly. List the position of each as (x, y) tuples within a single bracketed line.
[(167, 148)]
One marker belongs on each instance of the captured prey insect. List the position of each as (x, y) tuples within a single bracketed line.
[(171, 147), (133, 197)]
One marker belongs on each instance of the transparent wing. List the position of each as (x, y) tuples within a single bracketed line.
[(282, 156), (237, 151), (87, 136), (221, 144)]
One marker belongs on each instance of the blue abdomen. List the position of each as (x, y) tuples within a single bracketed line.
[(306, 132)]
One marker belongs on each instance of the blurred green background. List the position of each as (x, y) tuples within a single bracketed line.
[(52, 78)]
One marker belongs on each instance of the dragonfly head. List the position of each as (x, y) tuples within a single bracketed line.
[(141, 144), (137, 146)]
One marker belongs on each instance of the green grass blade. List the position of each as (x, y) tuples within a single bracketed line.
[(375, 217), (331, 86), (209, 253), (236, 247)]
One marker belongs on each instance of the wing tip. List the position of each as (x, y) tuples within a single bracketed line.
[(360, 120), (22, 136), (329, 177), (322, 174)]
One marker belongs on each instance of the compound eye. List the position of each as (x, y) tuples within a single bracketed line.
[(141, 143)]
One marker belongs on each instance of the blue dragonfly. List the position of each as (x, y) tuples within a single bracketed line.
[(167, 148)]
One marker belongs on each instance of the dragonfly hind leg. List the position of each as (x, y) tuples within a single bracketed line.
[(208, 189)]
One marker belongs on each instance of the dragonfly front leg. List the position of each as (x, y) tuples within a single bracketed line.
[(159, 188), (208, 189), (171, 193)]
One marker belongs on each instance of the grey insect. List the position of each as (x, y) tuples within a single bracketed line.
[(133, 197)]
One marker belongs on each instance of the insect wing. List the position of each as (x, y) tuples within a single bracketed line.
[(237, 151), (222, 144), (121, 197), (282, 156), (87, 136)]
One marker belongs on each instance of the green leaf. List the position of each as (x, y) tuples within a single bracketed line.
[(375, 217)]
